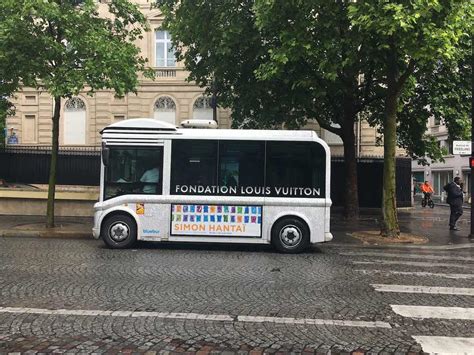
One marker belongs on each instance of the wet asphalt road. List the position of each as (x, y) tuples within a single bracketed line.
[(77, 296)]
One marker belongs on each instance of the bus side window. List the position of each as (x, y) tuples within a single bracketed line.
[(193, 163), (296, 164), (241, 163)]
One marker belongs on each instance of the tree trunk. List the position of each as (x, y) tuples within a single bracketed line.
[(390, 227), (351, 197), (54, 159)]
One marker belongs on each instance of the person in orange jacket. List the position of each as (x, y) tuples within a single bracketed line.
[(427, 190)]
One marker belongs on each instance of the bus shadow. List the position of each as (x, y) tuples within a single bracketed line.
[(194, 246)]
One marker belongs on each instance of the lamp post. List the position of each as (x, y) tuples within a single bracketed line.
[(214, 100)]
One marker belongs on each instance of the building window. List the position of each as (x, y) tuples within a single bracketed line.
[(440, 179), (165, 110), (202, 109), (31, 100), (75, 104), (74, 121), (164, 50)]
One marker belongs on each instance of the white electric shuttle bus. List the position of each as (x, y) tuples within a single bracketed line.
[(162, 183)]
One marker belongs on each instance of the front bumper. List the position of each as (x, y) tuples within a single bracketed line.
[(96, 233), (96, 228)]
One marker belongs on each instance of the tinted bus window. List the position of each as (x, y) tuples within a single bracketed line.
[(241, 167), (134, 171), (193, 164), (295, 169)]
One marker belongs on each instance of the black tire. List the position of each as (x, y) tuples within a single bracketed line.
[(119, 231), (290, 235), (423, 203), (431, 204)]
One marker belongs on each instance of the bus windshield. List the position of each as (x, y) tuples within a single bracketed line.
[(134, 170)]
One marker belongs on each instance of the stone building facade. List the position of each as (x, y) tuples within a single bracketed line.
[(169, 97), (440, 173)]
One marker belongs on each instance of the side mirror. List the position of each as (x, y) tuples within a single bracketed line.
[(105, 154)]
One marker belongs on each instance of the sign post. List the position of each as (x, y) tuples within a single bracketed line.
[(471, 165)]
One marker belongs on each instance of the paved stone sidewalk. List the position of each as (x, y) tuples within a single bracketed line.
[(35, 226)]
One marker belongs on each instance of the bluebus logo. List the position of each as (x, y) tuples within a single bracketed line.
[(151, 231)]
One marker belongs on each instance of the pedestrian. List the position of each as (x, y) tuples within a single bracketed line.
[(414, 187), (455, 200)]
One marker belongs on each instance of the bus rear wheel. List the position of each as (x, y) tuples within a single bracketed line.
[(119, 231), (290, 235)]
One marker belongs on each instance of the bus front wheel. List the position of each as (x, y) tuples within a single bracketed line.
[(119, 231), (290, 235)]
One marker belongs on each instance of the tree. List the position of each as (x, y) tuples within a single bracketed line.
[(64, 47), (407, 40), (279, 62)]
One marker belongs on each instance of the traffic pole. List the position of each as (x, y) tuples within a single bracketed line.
[(471, 159)]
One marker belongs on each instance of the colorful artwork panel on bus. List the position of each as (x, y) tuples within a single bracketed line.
[(216, 220)]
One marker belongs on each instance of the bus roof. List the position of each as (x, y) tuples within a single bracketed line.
[(138, 129)]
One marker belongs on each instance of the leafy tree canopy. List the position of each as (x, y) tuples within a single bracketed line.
[(433, 47), (64, 46)]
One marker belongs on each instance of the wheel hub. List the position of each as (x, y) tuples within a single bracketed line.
[(290, 236), (119, 232)]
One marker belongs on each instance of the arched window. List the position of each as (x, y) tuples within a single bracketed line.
[(165, 110), (74, 121), (202, 109)]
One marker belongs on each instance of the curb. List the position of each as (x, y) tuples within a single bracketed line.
[(400, 246), (45, 234)]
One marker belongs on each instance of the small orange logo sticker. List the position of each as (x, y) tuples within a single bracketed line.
[(140, 208)]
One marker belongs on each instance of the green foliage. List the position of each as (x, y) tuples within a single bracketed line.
[(225, 50), (435, 38), (65, 46)]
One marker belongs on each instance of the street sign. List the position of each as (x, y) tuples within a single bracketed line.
[(462, 147)]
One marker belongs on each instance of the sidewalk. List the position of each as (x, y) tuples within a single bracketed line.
[(431, 223), (35, 226), (427, 222)]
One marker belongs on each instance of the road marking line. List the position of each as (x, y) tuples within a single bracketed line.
[(418, 273), (445, 345), (424, 289), (412, 263), (197, 316), (410, 256), (79, 312), (434, 312), (344, 323)]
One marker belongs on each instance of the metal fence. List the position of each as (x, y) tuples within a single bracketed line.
[(81, 166), (30, 165), (370, 178)]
